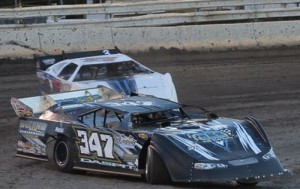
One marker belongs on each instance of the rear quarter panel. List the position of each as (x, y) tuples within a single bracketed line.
[(36, 136)]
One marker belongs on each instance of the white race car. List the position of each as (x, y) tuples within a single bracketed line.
[(109, 68)]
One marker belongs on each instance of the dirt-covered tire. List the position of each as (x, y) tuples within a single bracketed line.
[(247, 182), (62, 155), (156, 171)]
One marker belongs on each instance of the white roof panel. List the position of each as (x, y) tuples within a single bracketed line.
[(102, 59)]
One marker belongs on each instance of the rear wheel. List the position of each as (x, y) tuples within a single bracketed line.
[(63, 156), (156, 171)]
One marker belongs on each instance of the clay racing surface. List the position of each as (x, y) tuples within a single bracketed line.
[(264, 83)]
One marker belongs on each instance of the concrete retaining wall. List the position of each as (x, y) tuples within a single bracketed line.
[(16, 42)]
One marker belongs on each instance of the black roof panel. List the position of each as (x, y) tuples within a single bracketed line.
[(139, 104)]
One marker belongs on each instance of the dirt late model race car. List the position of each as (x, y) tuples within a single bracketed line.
[(110, 68), (98, 130)]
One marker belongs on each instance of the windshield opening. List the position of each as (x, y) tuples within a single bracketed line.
[(163, 119), (67, 71), (104, 71), (101, 118), (173, 118)]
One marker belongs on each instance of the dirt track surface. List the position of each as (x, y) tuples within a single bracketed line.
[(265, 84)]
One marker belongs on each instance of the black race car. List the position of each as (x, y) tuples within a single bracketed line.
[(100, 130)]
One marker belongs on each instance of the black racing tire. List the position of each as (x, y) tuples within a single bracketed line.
[(156, 171), (247, 182), (62, 155)]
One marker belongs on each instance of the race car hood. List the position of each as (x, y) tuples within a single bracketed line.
[(220, 149), (216, 140)]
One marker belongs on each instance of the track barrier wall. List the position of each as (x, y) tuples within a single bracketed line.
[(25, 40)]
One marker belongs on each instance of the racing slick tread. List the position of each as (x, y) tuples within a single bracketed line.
[(63, 156), (156, 171)]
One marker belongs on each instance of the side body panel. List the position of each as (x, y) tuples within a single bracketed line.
[(94, 148), (103, 148), (33, 136)]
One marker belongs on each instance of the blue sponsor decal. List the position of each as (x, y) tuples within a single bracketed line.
[(78, 100)]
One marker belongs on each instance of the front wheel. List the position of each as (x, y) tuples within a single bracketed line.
[(63, 156), (156, 171)]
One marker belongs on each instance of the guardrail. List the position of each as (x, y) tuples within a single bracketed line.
[(158, 13)]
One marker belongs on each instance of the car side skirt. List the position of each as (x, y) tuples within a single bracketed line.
[(40, 158), (114, 171)]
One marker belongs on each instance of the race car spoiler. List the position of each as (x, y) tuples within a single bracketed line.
[(44, 62), (31, 106)]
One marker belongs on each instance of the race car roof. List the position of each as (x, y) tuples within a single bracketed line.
[(101, 59), (139, 104), (44, 62), (132, 105)]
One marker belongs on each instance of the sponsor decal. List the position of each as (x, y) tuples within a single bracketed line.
[(20, 108), (105, 163), (35, 146), (78, 100), (32, 128), (125, 142), (129, 157), (143, 136), (130, 103), (211, 136), (208, 166), (21, 144), (100, 59), (59, 129)]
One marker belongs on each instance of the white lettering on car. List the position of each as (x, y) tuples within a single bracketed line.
[(108, 148), (84, 149), (94, 144), (100, 144), (106, 52), (130, 103)]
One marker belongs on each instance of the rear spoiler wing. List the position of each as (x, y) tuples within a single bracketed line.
[(31, 106), (44, 62)]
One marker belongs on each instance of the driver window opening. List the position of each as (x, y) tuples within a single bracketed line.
[(93, 119), (112, 119), (67, 71), (109, 70), (101, 118), (155, 118)]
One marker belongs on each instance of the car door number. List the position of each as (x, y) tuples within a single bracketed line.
[(99, 143), (106, 52)]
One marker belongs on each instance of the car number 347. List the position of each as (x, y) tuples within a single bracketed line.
[(100, 143)]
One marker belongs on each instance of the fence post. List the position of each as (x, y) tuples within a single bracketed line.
[(96, 16)]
